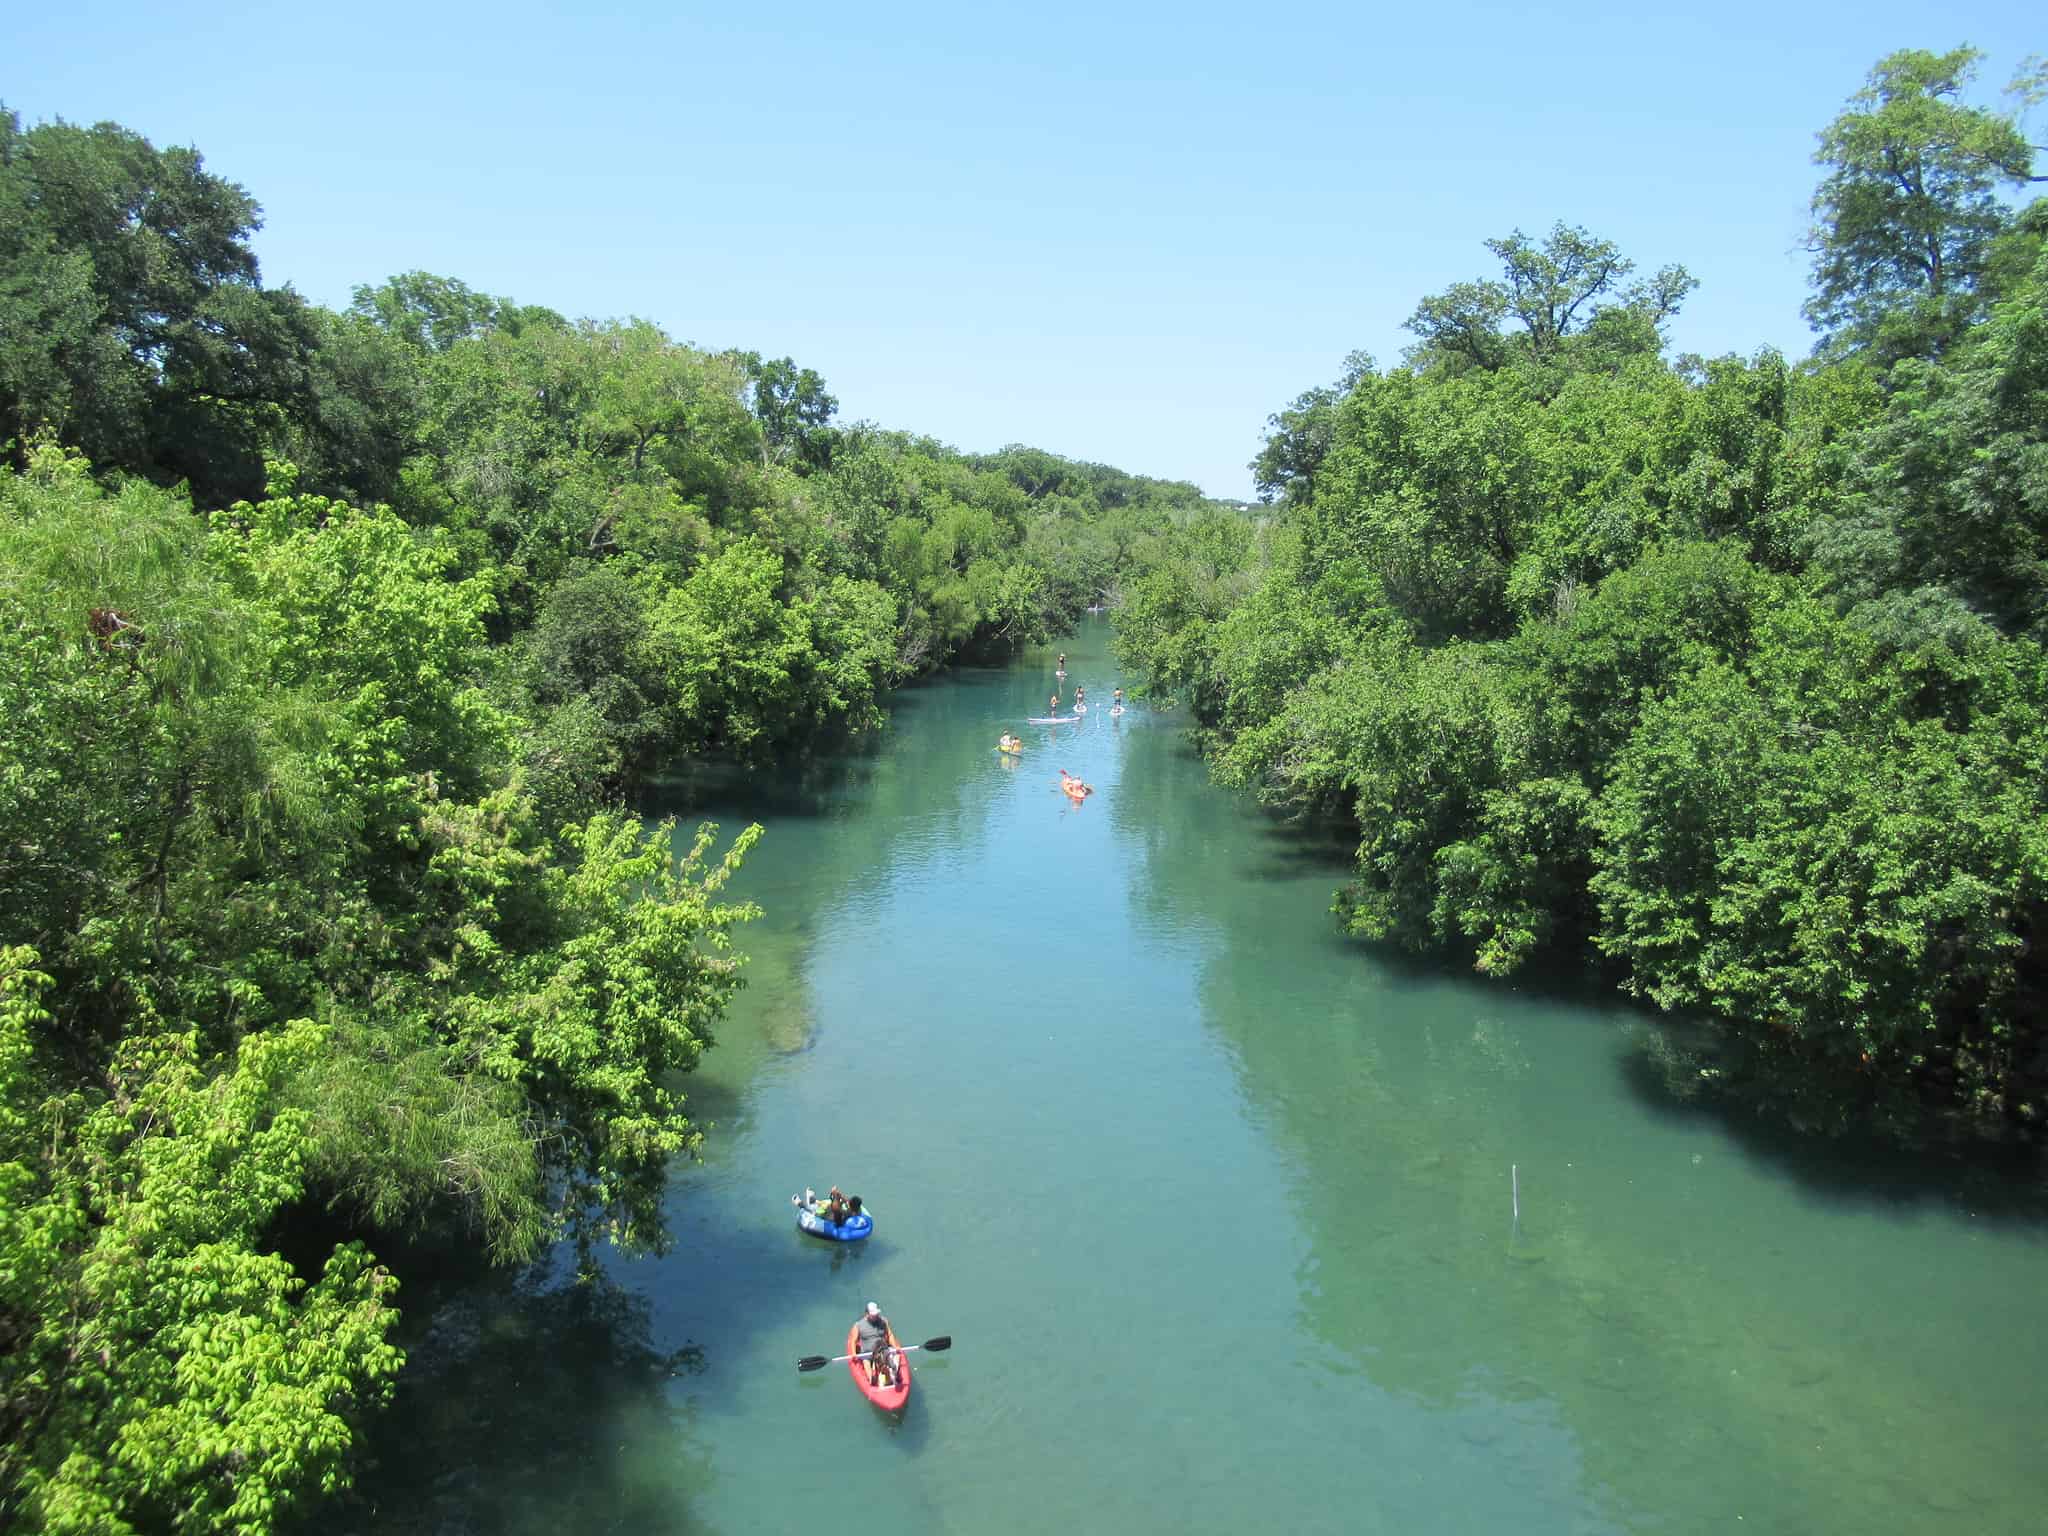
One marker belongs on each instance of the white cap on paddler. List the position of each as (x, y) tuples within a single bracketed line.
[(874, 1309)]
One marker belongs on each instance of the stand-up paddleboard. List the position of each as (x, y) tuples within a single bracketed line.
[(1052, 720), (1116, 709)]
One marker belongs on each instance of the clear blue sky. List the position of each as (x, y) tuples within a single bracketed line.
[(1123, 233)]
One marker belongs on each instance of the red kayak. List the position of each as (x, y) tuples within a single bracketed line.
[(889, 1399)]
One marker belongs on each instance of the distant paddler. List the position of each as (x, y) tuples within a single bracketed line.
[(1008, 743), (1076, 791)]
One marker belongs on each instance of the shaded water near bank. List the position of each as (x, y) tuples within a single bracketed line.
[(1218, 1209)]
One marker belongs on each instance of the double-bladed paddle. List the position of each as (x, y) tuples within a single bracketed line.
[(818, 1362)]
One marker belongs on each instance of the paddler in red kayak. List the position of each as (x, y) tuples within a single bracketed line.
[(872, 1339)]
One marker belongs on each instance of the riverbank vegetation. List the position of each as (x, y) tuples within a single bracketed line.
[(1725, 672), (333, 645)]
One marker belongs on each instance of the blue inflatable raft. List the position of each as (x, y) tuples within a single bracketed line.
[(839, 1231)]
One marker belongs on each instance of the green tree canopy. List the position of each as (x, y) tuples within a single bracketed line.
[(1298, 438), (1952, 482), (794, 411), (426, 311), (146, 337), (1904, 219), (1565, 296)]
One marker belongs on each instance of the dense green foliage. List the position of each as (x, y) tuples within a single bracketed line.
[(284, 934), (331, 645), (1727, 671)]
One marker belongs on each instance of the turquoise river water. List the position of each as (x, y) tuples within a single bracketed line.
[(1219, 1208)]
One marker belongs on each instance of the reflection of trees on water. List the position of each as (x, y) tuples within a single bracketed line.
[(540, 1404), (1672, 1333)]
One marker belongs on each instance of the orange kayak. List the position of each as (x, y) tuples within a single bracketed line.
[(889, 1399)]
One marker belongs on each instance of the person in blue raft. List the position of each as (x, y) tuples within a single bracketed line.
[(837, 1215), (832, 1208)]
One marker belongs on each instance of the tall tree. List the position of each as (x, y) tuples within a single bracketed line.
[(1905, 217), (648, 389), (794, 411), (152, 343), (1563, 294), (1298, 438)]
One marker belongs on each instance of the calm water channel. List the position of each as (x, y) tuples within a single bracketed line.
[(1216, 1206)]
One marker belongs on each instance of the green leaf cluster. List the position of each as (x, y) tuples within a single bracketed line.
[(164, 1369)]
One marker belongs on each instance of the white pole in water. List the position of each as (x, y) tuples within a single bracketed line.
[(1515, 1194)]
